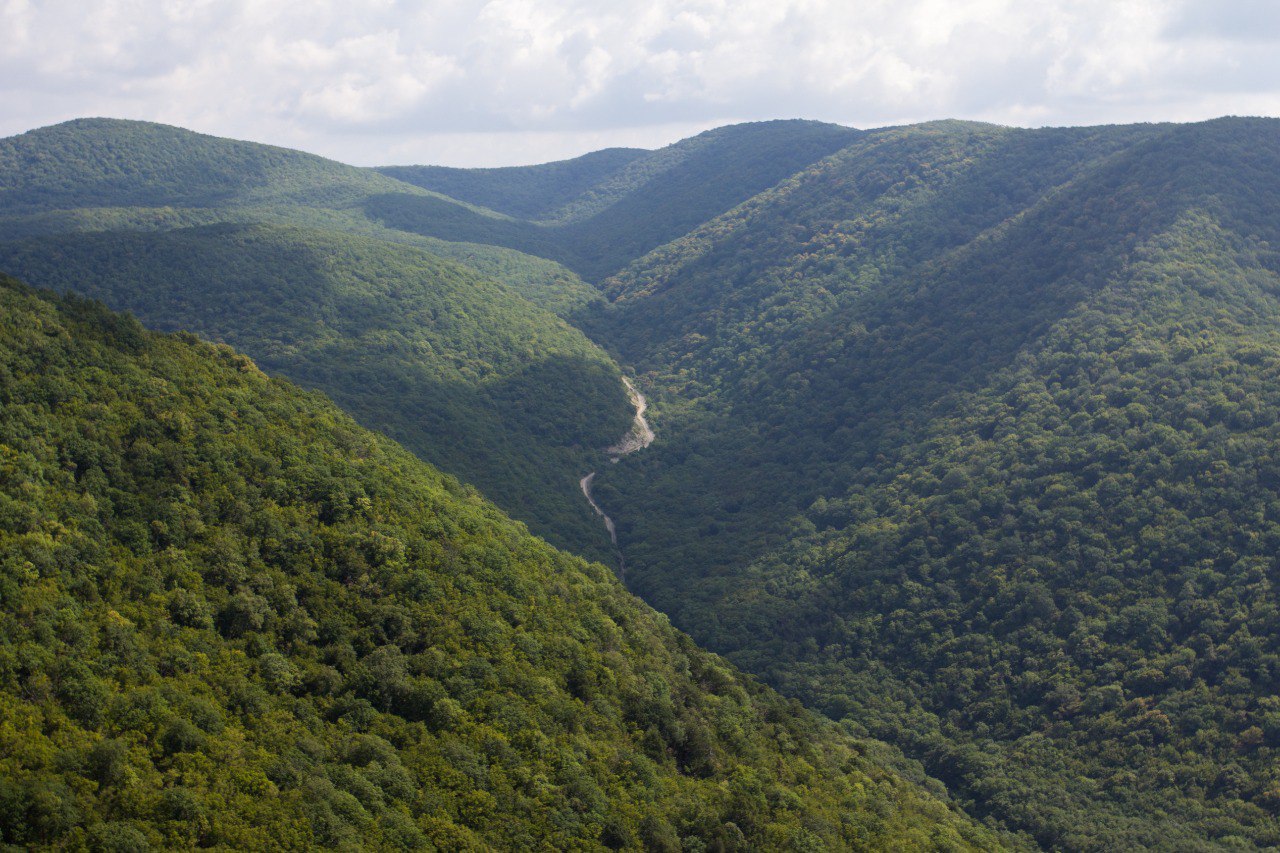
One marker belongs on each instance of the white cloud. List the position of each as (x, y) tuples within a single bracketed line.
[(380, 80)]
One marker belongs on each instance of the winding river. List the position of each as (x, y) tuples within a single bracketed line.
[(638, 437)]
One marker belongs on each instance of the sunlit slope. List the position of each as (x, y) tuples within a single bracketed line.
[(233, 618)]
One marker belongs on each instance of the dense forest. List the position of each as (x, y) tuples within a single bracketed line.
[(1013, 395), (647, 202), (107, 174), (461, 371), (965, 438), (267, 249), (525, 192), (234, 618)]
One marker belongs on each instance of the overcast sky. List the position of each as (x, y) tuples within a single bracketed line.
[(470, 82)]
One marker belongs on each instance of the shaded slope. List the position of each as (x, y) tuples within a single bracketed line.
[(799, 333), (699, 177), (527, 192), (1032, 436), (543, 282), (714, 172), (234, 618), (464, 374), (1066, 582)]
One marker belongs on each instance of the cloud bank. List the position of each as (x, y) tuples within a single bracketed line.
[(476, 82)]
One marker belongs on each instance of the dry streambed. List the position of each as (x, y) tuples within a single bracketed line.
[(638, 437)]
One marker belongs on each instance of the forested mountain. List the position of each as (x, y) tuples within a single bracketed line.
[(811, 323), (109, 163), (233, 618), (526, 192), (651, 200), (966, 434), (458, 369), (970, 432), (269, 250), (102, 174)]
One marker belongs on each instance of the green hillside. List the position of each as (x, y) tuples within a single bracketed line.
[(543, 282), (523, 430), (233, 618), (650, 201), (527, 192), (114, 163), (267, 249), (109, 174), (965, 437), (1061, 593), (465, 374), (792, 338), (704, 175), (1013, 395)]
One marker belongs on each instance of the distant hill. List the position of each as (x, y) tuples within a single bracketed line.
[(233, 618), (526, 192), (652, 199), (110, 174), (115, 163)]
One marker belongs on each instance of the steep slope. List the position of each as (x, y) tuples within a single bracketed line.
[(650, 201), (1012, 395), (233, 618), (192, 231), (1061, 593), (526, 192), (791, 338), (464, 374)]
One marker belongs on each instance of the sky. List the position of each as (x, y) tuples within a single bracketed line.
[(508, 82)]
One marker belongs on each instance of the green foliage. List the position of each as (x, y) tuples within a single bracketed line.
[(233, 618), (966, 437), (105, 174), (798, 337), (111, 163), (686, 183), (1014, 395), (543, 282), (485, 386), (460, 371), (651, 200), (463, 371), (525, 192)]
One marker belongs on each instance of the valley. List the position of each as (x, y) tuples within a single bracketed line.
[(639, 437), (968, 454)]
